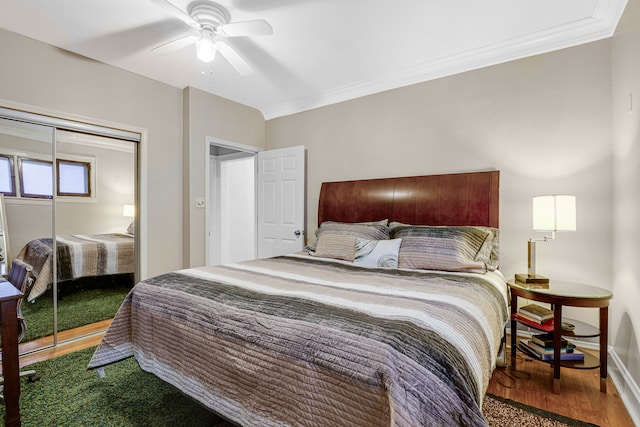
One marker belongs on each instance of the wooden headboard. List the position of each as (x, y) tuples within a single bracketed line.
[(452, 199)]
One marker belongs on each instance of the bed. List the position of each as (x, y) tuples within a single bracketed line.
[(78, 256), (318, 338)]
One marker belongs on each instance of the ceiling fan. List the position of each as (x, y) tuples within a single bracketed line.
[(209, 24)]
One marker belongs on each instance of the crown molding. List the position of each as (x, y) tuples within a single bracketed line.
[(599, 26)]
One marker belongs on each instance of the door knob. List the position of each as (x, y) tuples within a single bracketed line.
[(297, 233)]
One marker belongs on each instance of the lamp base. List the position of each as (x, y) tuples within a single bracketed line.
[(532, 279)]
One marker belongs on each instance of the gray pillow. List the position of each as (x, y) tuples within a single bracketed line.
[(369, 230), (463, 248), (337, 246), (489, 252)]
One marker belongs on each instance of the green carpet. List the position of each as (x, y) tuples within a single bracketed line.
[(67, 394), (79, 308)]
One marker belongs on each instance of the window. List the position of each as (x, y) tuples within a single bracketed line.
[(36, 178), (73, 178), (7, 178)]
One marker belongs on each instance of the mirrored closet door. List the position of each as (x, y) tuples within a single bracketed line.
[(95, 244), (70, 214), (24, 149)]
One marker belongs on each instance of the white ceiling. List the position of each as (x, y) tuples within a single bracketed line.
[(321, 51)]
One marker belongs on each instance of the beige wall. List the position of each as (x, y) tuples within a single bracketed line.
[(625, 316), (208, 115), (544, 122)]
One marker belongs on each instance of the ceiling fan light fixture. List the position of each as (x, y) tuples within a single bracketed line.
[(211, 25), (206, 47)]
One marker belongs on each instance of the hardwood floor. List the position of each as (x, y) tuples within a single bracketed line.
[(579, 398), (72, 343)]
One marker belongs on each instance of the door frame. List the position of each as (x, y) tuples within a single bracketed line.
[(223, 143)]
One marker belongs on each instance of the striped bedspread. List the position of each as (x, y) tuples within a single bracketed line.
[(78, 256), (300, 341)]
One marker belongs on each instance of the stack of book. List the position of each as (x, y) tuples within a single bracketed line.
[(541, 347), (537, 316)]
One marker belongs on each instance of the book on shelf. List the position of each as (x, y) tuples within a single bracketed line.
[(569, 348), (536, 312), (533, 319), (544, 326), (575, 355), (546, 340)]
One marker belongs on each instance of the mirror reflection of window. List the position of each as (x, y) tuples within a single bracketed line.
[(73, 178), (35, 178), (6, 176)]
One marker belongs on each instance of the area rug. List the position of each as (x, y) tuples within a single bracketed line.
[(505, 412), (69, 395)]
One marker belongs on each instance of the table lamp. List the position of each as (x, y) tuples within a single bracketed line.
[(128, 211), (551, 213)]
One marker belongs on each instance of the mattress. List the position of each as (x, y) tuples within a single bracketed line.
[(303, 341)]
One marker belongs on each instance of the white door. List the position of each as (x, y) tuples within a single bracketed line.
[(281, 206)]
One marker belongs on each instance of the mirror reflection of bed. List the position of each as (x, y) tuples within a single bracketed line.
[(95, 255), (94, 274)]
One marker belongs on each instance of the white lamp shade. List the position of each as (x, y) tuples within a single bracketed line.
[(129, 211), (554, 213)]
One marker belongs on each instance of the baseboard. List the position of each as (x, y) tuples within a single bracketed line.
[(627, 388)]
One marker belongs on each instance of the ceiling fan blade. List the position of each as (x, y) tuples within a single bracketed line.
[(174, 45), (258, 27), (234, 58), (178, 13)]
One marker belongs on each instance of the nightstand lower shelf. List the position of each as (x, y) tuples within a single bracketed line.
[(582, 329), (590, 361)]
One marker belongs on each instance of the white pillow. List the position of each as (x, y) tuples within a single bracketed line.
[(377, 253)]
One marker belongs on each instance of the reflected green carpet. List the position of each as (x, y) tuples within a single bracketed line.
[(79, 308)]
